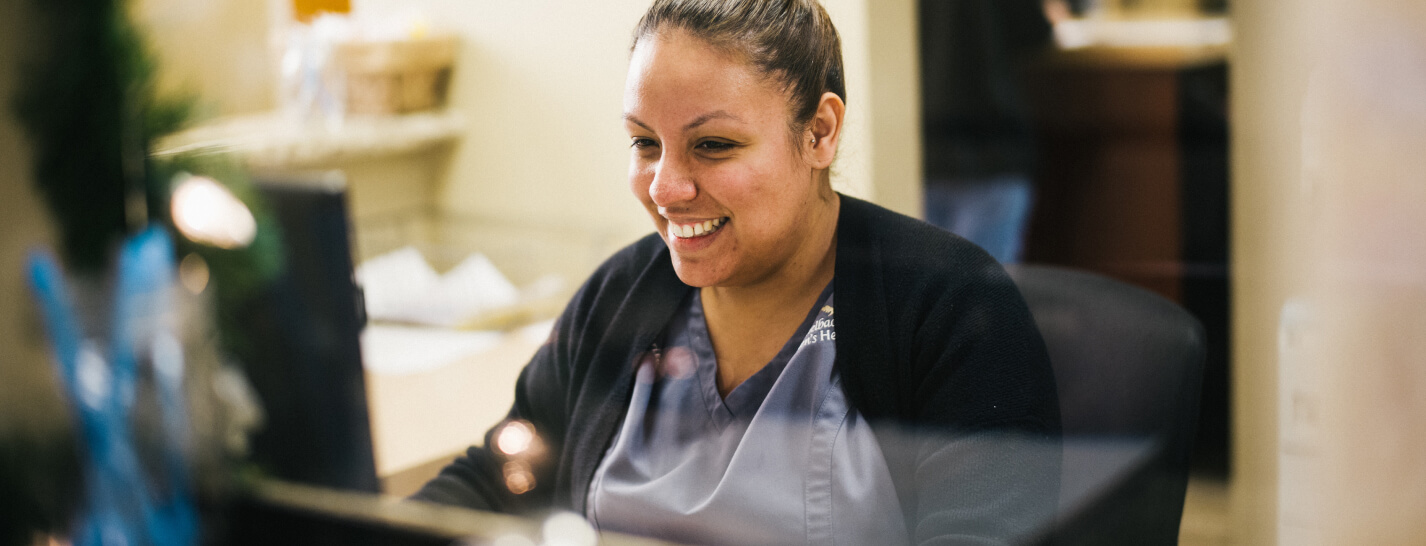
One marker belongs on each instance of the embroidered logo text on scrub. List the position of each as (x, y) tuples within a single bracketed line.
[(822, 330)]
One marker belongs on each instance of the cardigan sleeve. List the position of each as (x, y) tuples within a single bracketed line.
[(478, 479), (987, 468), (543, 400)]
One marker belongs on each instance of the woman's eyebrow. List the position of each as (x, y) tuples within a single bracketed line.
[(631, 119), (700, 120), (705, 118)]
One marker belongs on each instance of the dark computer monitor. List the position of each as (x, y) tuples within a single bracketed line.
[(302, 348)]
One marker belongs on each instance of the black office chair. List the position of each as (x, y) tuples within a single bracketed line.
[(1129, 366)]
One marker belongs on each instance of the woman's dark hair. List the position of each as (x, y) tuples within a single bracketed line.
[(792, 40)]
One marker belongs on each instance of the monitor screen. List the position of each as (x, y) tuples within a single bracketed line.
[(303, 354)]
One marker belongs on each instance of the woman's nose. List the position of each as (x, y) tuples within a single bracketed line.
[(673, 182)]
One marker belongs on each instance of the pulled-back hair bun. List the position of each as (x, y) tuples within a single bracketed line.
[(791, 40)]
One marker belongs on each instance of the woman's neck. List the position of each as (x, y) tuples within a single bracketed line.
[(749, 324)]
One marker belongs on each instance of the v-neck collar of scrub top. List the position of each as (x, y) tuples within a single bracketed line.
[(745, 399)]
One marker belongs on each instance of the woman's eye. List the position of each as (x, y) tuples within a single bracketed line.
[(644, 143), (715, 146)]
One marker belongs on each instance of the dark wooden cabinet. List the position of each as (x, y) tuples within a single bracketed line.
[(1132, 183)]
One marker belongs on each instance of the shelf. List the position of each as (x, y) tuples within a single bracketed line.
[(274, 140)]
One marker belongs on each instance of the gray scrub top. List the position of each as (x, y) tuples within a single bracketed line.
[(782, 460)]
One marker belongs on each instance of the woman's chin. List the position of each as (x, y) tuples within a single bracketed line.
[(698, 275)]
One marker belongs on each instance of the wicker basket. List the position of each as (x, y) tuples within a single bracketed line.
[(386, 78)]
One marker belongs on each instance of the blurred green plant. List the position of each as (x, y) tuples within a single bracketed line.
[(237, 274), (90, 106)]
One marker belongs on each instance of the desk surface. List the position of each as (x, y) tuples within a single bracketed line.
[(421, 420), (286, 513)]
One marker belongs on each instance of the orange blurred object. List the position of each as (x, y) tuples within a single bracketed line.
[(307, 10)]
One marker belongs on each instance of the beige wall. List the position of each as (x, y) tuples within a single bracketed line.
[(1330, 272), (1265, 177), (218, 50), (881, 46), (540, 86)]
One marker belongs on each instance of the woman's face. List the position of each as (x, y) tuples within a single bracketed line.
[(714, 162)]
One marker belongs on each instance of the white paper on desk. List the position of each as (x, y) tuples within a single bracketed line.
[(406, 350), (402, 287), (473, 287), (393, 282)]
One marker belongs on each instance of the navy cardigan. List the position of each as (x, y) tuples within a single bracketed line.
[(934, 343)]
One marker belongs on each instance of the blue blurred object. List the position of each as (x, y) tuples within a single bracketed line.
[(993, 213), (123, 505)]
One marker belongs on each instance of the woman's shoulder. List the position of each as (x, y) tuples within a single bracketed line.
[(902, 283), (638, 276), (908, 252), (638, 259)]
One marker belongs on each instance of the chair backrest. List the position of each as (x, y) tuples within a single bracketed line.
[(1129, 366)]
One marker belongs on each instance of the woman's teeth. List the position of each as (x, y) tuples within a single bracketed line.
[(689, 231)]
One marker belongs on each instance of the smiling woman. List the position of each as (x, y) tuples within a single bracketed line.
[(705, 154), (699, 387)]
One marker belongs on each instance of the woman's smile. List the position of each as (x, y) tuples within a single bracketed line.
[(690, 238), (694, 230)]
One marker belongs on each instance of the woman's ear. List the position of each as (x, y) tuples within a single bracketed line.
[(825, 130)]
